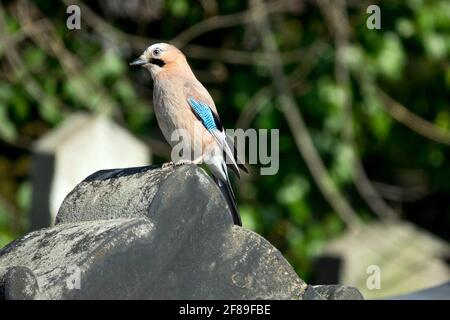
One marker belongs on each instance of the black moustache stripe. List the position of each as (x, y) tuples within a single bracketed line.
[(158, 62)]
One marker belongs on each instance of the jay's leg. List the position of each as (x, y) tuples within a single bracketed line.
[(198, 160)]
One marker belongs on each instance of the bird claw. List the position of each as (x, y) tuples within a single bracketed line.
[(172, 164), (182, 162), (167, 165)]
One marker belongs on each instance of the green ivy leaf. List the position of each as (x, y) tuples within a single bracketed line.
[(8, 130)]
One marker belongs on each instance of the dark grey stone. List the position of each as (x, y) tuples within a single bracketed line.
[(142, 233), (119, 193), (338, 292), (18, 283), (312, 294)]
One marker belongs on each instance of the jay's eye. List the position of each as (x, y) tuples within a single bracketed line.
[(156, 52)]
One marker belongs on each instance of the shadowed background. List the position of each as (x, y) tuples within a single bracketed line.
[(363, 114)]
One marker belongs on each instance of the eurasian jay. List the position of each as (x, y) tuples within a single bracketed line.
[(181, 102)]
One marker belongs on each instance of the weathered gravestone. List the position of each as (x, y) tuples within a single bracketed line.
[(386, 259), (150, 233)]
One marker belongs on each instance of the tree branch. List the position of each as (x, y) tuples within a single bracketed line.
[(296, 123), (220, 22), (414, 122), (123, 39), (335, 14)]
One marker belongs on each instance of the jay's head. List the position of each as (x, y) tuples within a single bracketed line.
[(159, 57)]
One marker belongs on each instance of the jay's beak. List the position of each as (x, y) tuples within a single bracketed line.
[(139, 61)]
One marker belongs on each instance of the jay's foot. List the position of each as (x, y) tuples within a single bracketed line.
[(181, 162), (167, 165), (172, 164)]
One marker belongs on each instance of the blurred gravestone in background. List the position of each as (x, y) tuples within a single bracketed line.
[(63, 157), (408, 258)]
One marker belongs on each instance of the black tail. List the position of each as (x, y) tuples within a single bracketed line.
[(225, 188)]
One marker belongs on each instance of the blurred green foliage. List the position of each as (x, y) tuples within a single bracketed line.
[(50, 73)]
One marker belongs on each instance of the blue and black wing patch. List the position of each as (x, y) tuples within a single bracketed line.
[(212, 123), (204, 113)]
